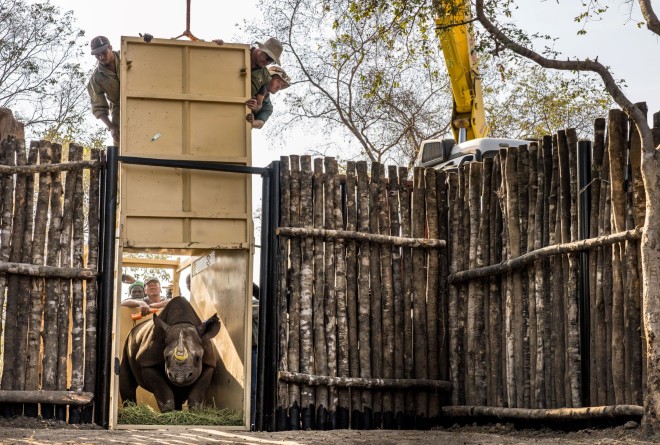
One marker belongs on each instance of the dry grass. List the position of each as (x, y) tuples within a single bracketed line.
[(132, 414)]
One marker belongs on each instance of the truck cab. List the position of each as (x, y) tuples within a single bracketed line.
[(446, 154)]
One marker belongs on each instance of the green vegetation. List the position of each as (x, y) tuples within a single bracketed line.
[(132, 414)]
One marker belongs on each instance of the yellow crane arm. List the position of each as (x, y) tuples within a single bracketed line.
[(455, 34)]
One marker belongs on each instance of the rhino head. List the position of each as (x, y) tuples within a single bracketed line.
[(184, 348)]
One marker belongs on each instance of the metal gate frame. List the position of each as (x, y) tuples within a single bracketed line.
[(107, 253)]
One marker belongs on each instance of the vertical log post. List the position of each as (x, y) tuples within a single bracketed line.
[(49, 361), (452, 306), (443, 273), (306, 287), (12, 336), (294, 305), (91, 285), (557, 279), (545, 285), (397, 288), (615, 149), (515, 328), (343, 396), (330, 291), (432, 299), (522, 171), (598, 328), (496, 375), (78, 326), (376, 294), (320, 352), (406, 261), (24, 286), (419, 296), (387, 298), (351, 293), (7, 157), (37, 283), (282, 418), (364, 305), (531, 275)]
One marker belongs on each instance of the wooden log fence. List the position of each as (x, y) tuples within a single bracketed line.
[(358, 329), (468, 279), (44, 277)]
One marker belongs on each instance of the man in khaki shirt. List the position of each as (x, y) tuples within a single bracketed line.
[(103, 85)]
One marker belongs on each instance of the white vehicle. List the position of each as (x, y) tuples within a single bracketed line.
[(445, 154)]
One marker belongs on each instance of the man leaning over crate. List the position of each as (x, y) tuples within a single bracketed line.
[(103, 85)]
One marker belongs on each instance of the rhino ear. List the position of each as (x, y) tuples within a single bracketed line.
[(160, 325), (210, 328)]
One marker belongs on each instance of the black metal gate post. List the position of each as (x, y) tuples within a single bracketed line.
[(106, 291), (267, 351)]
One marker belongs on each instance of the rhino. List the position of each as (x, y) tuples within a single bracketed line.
[(172, 357)]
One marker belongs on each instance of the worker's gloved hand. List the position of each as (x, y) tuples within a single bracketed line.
[(218, 41)]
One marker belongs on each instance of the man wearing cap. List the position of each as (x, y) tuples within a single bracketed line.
[(261, 112), (103, 85), (152, 299)]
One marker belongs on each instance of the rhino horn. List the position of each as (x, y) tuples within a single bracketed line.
[(180, 352)]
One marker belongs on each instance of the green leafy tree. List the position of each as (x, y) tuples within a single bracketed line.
[(524, 101), (40, 79)]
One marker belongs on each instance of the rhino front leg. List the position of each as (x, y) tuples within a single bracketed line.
[(160, 387), (198, 391)]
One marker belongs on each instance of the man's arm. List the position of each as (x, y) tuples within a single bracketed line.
[(100, 107), (161, 304), (129, 302)]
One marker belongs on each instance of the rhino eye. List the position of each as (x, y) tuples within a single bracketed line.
[(197, 359)]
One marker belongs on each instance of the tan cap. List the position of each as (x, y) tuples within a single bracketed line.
[(272, 47), (276, 70)]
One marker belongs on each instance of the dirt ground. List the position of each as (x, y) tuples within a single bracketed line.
[(34, 431)]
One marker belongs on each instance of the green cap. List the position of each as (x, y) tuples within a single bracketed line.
[(135, 284)]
